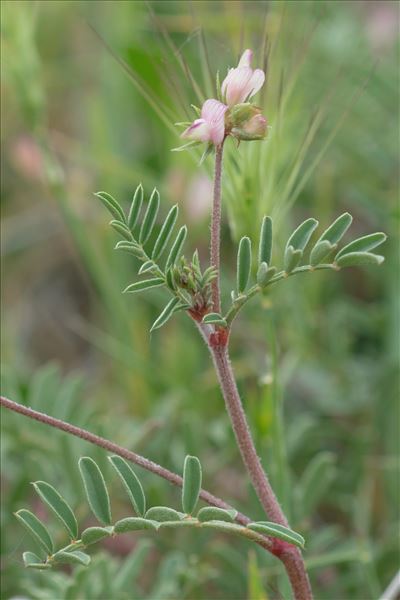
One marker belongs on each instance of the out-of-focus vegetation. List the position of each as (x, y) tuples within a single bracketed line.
[(91, 91)]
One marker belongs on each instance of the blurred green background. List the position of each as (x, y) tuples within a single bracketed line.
[(91, 92)]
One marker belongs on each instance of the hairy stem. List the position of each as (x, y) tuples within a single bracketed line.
[(137, 459), (243, 436), (215, 240), (289, 555)]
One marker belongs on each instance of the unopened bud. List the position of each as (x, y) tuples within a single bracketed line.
[(246, 122)]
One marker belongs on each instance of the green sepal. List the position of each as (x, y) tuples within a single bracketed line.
[(292, 258), (58, 505), (277, 531), (144, 285), (36, 528), (71, 558), (209, 150), (363, 244), (163, 513), (149, 217), (191, 487), (355, 259), (95, 489), (92, 535), (243, 264), (188, 146), (135, 524), (131, 483), (112, 205), (136, 205), (210, 513)]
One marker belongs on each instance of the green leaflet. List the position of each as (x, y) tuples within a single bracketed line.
[(91, 535), (32, 561), (243, 264), (36, 528), (112, 205), (135, 524), (58, 505), (176, 247), (354, 259), (95, 489), (149, 217), (363, 244), (292, 258), (163, 514), (336, 231), (265, 244), (131, 483), (191, 484), (146, 267), (130, 247), (166, 314), (265, 274), (121, 229), (278, 531), (214, 319), (144, 285), (135, 207), (165, 233), (320, 251), (75, 557), (301, 236), (210, 513)]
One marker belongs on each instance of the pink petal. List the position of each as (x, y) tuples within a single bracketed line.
[(214, 114), (198, 130), (238, 86), (226, 81), (256, 82), (246, 58)]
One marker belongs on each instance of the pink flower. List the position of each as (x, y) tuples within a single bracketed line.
[(243, 82), (211, 126)]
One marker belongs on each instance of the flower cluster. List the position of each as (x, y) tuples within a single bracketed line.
[(234, 116)]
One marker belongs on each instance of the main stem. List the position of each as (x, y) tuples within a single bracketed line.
[(218, 345)]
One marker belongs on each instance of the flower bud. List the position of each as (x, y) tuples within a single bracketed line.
[(245, 122)]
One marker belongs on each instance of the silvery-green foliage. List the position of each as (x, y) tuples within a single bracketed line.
[(155, 519), (324, 254), (185, 281)]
